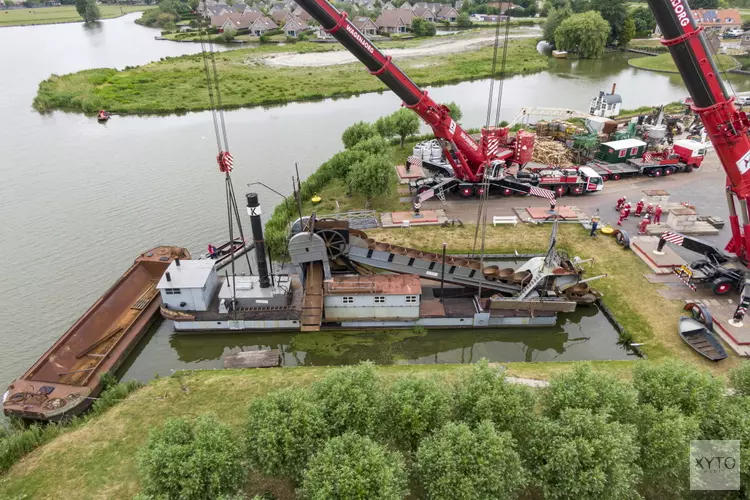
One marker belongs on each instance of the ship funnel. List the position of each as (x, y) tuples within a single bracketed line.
[(177, 262), (169, 278), (253, 210), (614, 86)]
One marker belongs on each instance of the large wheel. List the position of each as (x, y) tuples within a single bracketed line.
[(465, 191), (576, 190), (479, 191), (506, 191), (616, 177), (605, 177), (700, 313), (560, 191), (335, 242), (622, 238), (657, 172), (669, 170), (422, 189), (722, 286)]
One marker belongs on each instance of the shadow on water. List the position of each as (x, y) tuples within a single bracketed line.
[(583, 335)]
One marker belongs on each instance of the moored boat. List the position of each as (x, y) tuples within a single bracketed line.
[(559, 54), (103, 116), (64, 380), (699, 337)]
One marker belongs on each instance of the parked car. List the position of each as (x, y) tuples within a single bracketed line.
[(733, 33), (742, 100)]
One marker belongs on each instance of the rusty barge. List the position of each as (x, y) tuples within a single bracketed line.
[(64, 381)]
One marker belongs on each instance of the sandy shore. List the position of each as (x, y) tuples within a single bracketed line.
[(434, 47)]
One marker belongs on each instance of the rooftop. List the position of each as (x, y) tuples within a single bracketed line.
[(383, 284), (625, 143), (189, 274), (248, 287)]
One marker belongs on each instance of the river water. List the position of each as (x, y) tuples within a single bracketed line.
[(78, 200)]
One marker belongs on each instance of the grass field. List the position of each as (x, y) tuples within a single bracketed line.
[(665, 64), (178, 84), (62, 14)]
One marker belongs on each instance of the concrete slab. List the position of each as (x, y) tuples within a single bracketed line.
[(644, 247), (542, 213), (415, 172), (424, 216), (722, 309), (662, 278), (386, 219), (699, 228)]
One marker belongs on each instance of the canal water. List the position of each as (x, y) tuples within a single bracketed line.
[(78, 200)]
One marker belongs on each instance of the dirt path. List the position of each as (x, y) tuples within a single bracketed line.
[(432, 48)]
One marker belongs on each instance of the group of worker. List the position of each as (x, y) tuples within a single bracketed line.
[(652, 215)]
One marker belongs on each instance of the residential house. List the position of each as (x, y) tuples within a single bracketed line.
[(294, 27), (366, 25), (745, 42), (280, 17), (302, 14), (406, 6), (389, 6), (277, 7), (261, 25), (458, 4), (218, 10), (448, 13), (395, 21), (243, 8), (230, 22), (721, 19), (424, 13)]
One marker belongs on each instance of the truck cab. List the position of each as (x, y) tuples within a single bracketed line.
[(690, 152), (593, 180)]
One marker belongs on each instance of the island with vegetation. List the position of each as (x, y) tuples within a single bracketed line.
[(67, 13), (248, 78)]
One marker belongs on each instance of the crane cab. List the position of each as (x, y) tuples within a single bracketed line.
[(591, 179)]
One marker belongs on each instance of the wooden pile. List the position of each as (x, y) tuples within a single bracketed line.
[(551, 152)]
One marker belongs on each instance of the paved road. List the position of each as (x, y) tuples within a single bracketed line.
[(704, 188)]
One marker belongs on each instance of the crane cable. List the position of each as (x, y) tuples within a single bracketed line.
[(223, 158)]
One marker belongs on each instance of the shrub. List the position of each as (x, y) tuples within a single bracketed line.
[(483, 394), (583, 456), (678, 385), (739, 379), (190, 460), (113, 395), (351, 399), (414, 408), (351, 466), (598, 392), (373, 146), (372, 177), (732, 422), (357, 133), (15, 443), (283, 430), (458, 463)]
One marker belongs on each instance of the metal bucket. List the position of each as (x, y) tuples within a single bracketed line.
[(505, 273), (475, 265), (431, 256), (370, 242), (399, 250), (460, 262), (383, 247), (521, 277), (490, 272), (415, 254)]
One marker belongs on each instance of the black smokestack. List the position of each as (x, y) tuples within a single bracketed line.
[(253, 210), (169, 278)]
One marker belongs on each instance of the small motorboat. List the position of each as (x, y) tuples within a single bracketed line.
[(103, 116), (696, 332), (559, 54)]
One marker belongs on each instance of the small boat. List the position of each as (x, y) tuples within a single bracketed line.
[(103, 116), (223, 253), (696, 335), (559, 54)]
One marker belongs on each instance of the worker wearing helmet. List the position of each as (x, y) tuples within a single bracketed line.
[(657, 214), (620, 203), (639, 208), (626, 207), (623, 216), (643, 225)]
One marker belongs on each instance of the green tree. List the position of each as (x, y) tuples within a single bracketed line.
[(614, 12), (351, 397), (678, 385), (385, 127), (739, 379), (704, 4), (584, 33), (372, 177), (584, 389), (341, 162), (422, 27), (374, 146), (414, 408), (554, 19), (283, 430), (732, 421), (645, 23), (664, 437), (357, 133), (88, 10), (405, 123), (457, 463), (456, 112), (463, 19), (191, 460), (484, 394), (351, 466), (579, 6), (582, 455), (627, 33)]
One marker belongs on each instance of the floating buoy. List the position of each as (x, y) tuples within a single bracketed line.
[(316, 199), (607, 230)]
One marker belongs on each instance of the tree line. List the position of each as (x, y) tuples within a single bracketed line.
[(588, 436)]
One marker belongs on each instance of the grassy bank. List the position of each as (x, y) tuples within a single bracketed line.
[(672, 107), (664, 63), (62, 14), (178, 84)]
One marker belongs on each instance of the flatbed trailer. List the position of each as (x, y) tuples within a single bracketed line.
[(638, 166)]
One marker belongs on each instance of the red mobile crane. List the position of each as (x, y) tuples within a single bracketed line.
[(470, 160), (726, 127)]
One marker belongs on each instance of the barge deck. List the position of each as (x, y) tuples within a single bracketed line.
[(64, 380)]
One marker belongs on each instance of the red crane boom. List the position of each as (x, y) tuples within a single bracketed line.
[(469, 159), (726, 127)]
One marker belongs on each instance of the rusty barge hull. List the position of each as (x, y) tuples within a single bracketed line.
[(64, 381)]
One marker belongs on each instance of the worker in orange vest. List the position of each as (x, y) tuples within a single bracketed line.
[(639, 208), (643, 224), (657, 214), (620, 203), (623, 216)]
